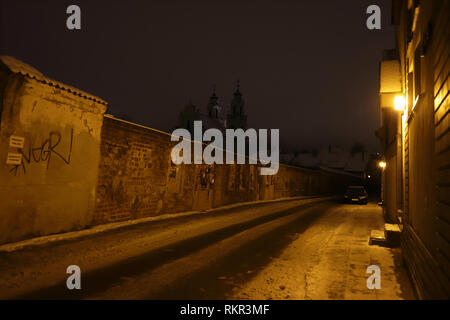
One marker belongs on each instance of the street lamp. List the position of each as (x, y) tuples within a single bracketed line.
[(399, 103), (382, 164)]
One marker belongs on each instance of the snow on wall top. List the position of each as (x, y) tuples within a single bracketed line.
[(19, 67)]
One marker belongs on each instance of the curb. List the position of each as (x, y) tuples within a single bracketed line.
[(73, 235)]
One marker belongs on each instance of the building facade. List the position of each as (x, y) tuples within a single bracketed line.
[(416, 140)]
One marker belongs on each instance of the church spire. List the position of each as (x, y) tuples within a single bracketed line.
[(214, 92), (238, 84), (213, 104), (237, 118)]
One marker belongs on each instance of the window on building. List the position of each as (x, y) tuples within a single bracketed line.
[(410, 90), (409, 24), (417, 72)]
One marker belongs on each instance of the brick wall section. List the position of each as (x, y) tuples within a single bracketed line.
[(137, 179), (132, 173)]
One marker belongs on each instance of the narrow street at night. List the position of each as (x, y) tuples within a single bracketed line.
[(316, 248), (220, 159)]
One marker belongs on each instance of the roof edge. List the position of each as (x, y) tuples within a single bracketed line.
[(18, 67)]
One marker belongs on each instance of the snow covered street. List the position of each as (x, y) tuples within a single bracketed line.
[(299, 249)]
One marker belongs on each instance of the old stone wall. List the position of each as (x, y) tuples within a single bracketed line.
[(55, 136), (137, 178)]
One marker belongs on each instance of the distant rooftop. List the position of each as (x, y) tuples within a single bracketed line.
[(332, 158)]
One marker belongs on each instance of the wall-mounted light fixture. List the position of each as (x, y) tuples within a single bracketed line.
[(399, 103)]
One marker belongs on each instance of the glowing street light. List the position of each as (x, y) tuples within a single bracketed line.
[(382, 164), (399, 103)]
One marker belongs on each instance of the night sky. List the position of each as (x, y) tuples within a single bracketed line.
[(309, 68)]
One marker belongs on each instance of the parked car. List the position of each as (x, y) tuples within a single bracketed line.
[(356, 194)]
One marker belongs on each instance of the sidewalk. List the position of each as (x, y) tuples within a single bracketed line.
[(329, 261)]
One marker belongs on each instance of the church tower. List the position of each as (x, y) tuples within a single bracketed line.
[(188, 116), (213, 117), (237, 118), (213, 108)]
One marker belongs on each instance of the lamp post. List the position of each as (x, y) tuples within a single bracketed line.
[(382, 165)]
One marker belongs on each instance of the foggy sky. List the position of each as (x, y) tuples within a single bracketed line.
[(309, 68)]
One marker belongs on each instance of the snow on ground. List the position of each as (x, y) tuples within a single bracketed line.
[(299, 249), (42, 263), (329, 261)]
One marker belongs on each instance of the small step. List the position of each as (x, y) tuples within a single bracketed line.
[(392, 227), (392, 233), (377, 237)]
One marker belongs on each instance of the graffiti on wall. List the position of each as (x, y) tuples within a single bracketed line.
[(45, 152)]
